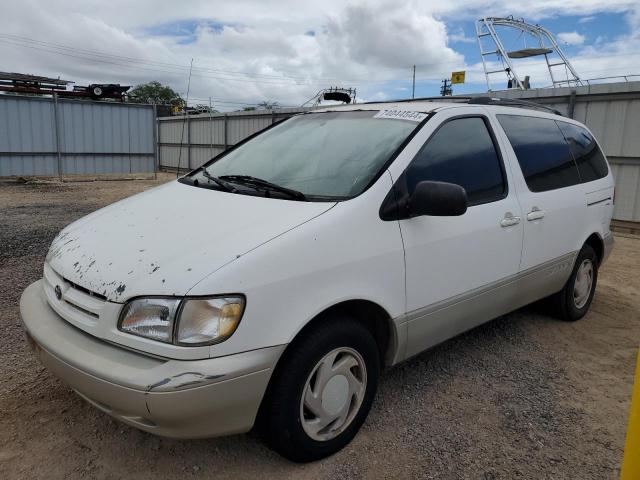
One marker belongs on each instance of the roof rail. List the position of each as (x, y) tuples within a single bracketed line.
[(472, 100), (447, 99), (512, 102)]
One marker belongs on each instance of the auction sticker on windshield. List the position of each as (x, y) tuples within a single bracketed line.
[(401, 115)]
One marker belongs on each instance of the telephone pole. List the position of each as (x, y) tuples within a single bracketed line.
[(413, 90), (445, 89), (211, 124)]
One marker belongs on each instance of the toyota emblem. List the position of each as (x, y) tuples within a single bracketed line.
[(58, 292)]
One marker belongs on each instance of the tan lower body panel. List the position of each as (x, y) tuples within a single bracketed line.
[(436, 323), (217, 409), (175, 398)]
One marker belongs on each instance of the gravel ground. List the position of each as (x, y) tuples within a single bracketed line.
[(524, 396)]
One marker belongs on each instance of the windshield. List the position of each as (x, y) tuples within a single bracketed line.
[(328, 154)]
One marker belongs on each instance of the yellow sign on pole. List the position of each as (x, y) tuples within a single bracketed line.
[(457, 77), (631, 461)]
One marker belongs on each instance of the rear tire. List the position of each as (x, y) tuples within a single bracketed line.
[(573, 301), (322, 390)]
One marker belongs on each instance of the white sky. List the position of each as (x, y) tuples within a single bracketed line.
[(249, 50)]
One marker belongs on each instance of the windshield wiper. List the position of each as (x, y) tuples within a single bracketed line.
[(259, 182), (219, 182)]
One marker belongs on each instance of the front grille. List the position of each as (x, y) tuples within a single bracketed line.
[(77, 305), (79, 308), (85, 290)]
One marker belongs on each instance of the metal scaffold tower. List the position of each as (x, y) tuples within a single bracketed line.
[(490, 44)]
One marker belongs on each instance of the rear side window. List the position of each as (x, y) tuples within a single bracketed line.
[(542, 152), (586, 153), (461, 152)]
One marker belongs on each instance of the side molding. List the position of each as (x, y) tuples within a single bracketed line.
[(435, 323)]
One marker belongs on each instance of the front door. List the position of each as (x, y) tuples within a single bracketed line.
[(457, 267)]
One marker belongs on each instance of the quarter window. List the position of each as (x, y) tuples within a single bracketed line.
[(542, 152), (586, 153), (461, 152)]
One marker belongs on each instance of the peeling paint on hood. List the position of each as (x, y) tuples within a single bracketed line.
[(165, 240)]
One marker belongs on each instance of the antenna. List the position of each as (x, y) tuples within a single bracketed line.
[(486, 30), (184, 119)]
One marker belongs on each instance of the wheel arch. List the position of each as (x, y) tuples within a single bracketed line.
[(596, 242), (373, 316)]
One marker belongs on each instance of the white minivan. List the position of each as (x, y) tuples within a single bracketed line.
[(269, 287)]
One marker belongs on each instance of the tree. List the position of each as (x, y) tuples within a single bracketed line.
[(155, 92), (264, 105), (202, 108), (267, 105)]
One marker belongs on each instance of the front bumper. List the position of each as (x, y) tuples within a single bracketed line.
[(174, 398)]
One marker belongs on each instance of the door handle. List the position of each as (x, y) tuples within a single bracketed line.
[(509, 220), (535, 214)]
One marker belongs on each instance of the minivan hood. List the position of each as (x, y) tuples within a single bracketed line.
[(165, 240)]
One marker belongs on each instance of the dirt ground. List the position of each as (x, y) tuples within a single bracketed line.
[(524, 396)]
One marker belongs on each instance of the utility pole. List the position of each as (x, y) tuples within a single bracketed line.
[(211, 124), (413, 90), (445, 89)]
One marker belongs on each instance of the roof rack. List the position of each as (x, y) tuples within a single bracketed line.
[(448, 99), (512, 102), (472, 100)]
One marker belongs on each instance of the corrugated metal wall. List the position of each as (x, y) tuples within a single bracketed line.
[(39, 136)]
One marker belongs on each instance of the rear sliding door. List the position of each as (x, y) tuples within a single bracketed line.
[(549, 191)]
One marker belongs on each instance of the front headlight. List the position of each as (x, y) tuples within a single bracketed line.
[(190, 321), (152, 318), (207, 321)]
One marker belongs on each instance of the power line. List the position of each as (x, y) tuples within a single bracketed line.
[(160, 70), (56, 47), (94, 56), (131, 59), (165, 67), (151, 69), (238, 103)]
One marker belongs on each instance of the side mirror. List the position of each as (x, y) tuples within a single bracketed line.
[(438, 199)]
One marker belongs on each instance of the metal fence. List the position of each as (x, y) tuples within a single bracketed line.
[(50, 136), (188, 142)]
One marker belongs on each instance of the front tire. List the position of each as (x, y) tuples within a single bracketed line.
[(573, 301), (322, 390)]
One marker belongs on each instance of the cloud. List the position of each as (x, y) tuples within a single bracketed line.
[(588, 19), (389, 38), (378, 96), (459, 36), (530, 10), (285, 50), (246, 54), (571, 38)]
